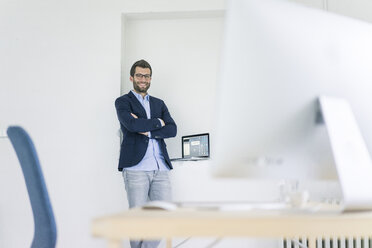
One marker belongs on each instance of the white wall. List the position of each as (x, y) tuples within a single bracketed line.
[(60, 74), (360, 9)]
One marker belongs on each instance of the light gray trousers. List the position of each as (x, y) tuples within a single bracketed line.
[(144, 186)]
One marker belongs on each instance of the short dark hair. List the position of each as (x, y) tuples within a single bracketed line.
[(140, 63)]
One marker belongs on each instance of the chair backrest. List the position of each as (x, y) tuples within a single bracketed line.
[(45, 234)]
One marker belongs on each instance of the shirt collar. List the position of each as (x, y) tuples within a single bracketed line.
[(139, 96)]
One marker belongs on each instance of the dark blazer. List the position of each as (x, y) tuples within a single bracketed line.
[(134, 145)]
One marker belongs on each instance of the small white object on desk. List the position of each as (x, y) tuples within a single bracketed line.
[(160, 205), (299, 199)]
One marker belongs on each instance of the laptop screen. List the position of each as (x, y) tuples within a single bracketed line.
[(195, 146)]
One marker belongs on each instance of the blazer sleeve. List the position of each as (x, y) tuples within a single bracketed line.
[(170, 128), (123, 110)]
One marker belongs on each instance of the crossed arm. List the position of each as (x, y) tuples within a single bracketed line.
[(160, 128), (147, 133)]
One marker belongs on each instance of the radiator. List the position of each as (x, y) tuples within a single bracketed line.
[(337, 242)]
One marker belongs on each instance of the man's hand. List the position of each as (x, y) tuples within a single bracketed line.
[(162, 122), (136, 117)]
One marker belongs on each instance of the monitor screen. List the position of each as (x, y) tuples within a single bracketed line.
[(278, 58)]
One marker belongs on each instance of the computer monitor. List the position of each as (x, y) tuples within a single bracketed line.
[(278, 58)]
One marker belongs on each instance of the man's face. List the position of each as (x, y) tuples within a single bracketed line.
[(141, 80)]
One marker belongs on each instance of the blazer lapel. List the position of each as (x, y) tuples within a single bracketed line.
[(137, 103), (152, 107)]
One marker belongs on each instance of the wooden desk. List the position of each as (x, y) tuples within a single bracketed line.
[(152, 224)]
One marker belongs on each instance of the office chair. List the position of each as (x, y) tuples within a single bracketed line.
[(45, 234)]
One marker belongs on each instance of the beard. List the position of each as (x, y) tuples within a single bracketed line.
[(140, 89)]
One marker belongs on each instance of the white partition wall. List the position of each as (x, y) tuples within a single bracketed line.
[(183, 49)]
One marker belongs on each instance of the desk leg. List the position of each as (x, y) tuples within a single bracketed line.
[(114, 244), (169, 242)]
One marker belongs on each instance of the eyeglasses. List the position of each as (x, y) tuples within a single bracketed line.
[(139, 75)]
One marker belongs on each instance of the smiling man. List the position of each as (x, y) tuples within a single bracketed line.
[(145, 122)]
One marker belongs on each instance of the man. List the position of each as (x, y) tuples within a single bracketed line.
[(145, 122)]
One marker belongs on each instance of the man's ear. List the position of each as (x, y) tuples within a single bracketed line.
[(131, 79)]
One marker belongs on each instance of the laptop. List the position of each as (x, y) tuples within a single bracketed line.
[(194, 147)]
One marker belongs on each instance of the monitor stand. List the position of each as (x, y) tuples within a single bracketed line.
[(352, 159)]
